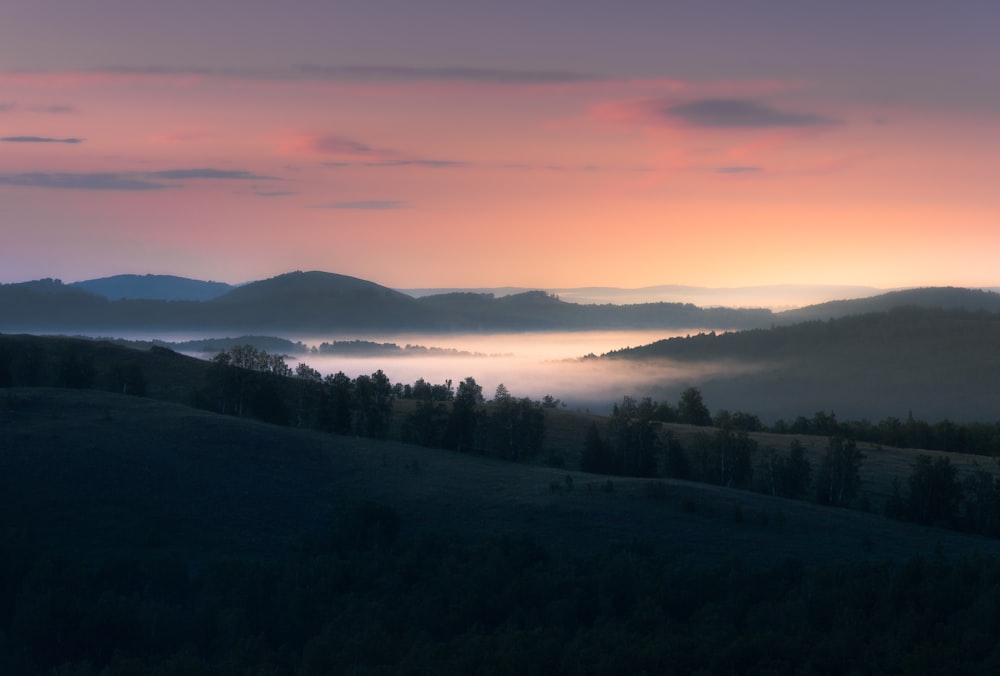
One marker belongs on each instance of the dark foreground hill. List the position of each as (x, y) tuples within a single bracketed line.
[(139, 536), (97, 474)]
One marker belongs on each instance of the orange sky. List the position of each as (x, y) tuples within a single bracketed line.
[(473, 166)]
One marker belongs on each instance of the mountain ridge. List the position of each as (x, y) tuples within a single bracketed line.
[(331, 302)]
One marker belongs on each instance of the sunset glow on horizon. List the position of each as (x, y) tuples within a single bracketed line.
[(444, 145)]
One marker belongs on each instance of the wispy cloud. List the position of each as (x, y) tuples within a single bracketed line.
[(428, 164), (337, 145), (81, 181), (55, 109), (448, 74), (738, 170), (7, 106), (39, 139), (365, 205), (129, 181), (181, 174), (274, 193), (737, 113), (360, 73)]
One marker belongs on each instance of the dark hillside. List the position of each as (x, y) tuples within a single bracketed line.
[(946, 298), (539, 311), (98, 473), (937, 363), (143, 537), (56, 361)]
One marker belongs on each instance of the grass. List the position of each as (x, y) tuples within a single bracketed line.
[(93, 473)]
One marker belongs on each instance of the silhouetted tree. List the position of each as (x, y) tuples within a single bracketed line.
[(934, 492), (981, 505), (676, 464), (339, 388), (267, 403), (516, 426), (75, 368), (597, 456), (380, 416), (839, 474), (463, 423), (786, 475), (691, 410), (632, 438)]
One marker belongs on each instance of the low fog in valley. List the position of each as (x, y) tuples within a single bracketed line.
[(533, 365)]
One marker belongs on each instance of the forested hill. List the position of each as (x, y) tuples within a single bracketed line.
[(932, 297), (537, 310), (937, 363)]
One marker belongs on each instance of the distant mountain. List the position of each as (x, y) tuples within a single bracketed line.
[(318, 300), (327, 302), (153, 287), (774, 297), (930, 297), (540, 311)]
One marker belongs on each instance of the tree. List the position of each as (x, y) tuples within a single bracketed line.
[(463, 423), (308, 397), (935, 492), (839, 475), (786, 475), (516, 426), (75, 367), (340, 392), (691, 410), (676, 464), (725, 457), (982, 503), (632, 438), (306, 372), (597, 456)]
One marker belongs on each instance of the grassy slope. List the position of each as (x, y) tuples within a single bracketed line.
[(94, 472)]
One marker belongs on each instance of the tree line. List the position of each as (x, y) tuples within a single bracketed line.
[(634, 444), (245, 381)]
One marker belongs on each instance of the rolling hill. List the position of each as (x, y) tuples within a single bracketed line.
[(934, 363), (327, 302), (97, 473), (953, 298), (153, 287), (321, 301)]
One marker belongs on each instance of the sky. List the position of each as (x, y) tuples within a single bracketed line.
[(447, 143)]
